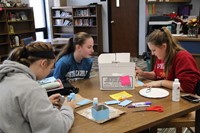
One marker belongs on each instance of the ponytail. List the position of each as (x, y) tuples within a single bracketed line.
[(67, 49), (158, 37), (77, 39)]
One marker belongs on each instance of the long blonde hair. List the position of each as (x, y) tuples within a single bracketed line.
[(158, 37)]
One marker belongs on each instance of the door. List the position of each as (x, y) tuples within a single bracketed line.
[(123, 16)]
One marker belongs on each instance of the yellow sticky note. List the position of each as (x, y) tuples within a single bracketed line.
[(121, 95)]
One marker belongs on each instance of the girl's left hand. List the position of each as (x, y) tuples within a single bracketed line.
[(153, 84)]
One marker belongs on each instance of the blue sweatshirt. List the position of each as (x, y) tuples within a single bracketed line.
[(66, 68)]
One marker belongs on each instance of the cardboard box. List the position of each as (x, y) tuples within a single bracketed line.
[(58, 3), (100, 112), (116, 72)]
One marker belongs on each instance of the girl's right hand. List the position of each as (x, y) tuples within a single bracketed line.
[(138, 71)]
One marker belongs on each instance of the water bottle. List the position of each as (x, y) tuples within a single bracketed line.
[(176, 90), (95, 101), (16, 40)]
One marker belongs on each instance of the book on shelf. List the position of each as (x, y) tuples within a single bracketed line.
[(67, 23), (23, 15), (58, 21), (57, 13), (81, 12), (66, 14)]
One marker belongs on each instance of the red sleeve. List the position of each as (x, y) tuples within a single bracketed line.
[(185, 69)]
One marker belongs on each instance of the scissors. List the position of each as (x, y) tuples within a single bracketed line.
[(152, 108)]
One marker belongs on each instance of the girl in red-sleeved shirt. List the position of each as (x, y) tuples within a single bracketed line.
[(178, 63)]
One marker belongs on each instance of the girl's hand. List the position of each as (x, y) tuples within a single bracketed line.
[(138, 71), (153, 84), (55, 98)]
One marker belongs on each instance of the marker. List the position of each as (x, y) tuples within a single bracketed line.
[(141, 104), (136, 106)]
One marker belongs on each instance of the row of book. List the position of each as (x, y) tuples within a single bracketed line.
[(85, 22), (84, 12), (62, 22), (64, 14)]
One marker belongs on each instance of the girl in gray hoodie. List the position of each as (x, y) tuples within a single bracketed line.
[(24, 104)]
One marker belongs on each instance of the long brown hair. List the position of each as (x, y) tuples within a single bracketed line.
[(32, 52), (158, 37), (78, 39)]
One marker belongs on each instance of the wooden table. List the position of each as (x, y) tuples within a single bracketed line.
[(129, 122)]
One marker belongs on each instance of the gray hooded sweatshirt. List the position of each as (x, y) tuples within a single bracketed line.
[(25, 106)]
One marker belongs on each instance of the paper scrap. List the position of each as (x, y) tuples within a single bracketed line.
[(125, 80), (121, 95), (112, 102), (140, 82), (83, 102), (125, 103)]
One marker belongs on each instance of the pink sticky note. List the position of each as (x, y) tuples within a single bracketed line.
[(125, 80), (1, 8)]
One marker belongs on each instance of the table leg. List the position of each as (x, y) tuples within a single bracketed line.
[(197, 121)]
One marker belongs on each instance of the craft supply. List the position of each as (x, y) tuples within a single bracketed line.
[(153, 108), (141, 103), (69, 98), (125, 103), (112, 102), (176, 90), (131, 106), (95, 101), (83, 102), (73, 96), (121, 95)]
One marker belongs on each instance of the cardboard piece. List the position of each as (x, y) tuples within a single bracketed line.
[(87, 112), (81, 101), (112, 68)]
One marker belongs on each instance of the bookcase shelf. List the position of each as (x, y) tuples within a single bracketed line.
[(89, 19), (83, 19), (62, 21), (15, 22)]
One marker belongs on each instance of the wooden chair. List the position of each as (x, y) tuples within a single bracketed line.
[(187, 121), (26, 41)]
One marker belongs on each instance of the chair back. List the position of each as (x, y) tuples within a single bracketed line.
[(26, 41)]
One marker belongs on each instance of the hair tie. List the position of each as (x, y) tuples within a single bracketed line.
[(162, 30)]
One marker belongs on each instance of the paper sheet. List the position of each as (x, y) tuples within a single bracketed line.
[(121, 95)]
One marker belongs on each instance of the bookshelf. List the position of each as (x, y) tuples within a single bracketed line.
[(89, 19), (15, 22), (62, 22), (170, 1), (78, 19)]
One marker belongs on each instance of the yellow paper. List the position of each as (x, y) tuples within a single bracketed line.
[(121, 95)]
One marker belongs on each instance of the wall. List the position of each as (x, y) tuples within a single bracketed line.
[(142, 28), (195, 7)]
